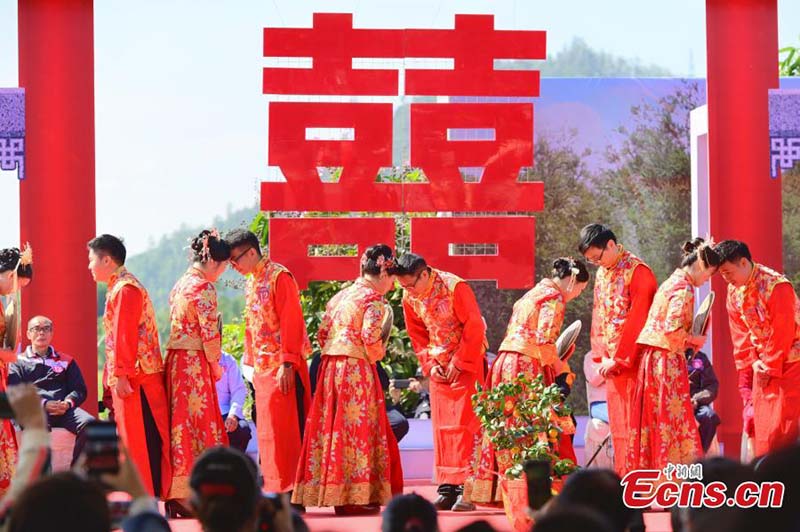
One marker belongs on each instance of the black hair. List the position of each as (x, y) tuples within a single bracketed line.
[(409, 513), (781, 465), (599, 490), (562, 268), (595, 236), (69, 501), (698, 249), (372, 256), (221, 509), (9, 259), (25, 271), (408, 264), (732, 474), (110, 246), (209, 245), (574, 519), (732, 250), (240, 237)]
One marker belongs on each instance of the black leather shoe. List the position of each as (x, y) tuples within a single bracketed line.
[(299, 508), (176, 510), (447, 497), (462, 506), (357, 509)]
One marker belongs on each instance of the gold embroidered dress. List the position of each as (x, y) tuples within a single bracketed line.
[(663, 429), (194, 347), (529, 347), (346, 459)]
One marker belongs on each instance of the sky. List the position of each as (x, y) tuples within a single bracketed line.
[(181, 124)]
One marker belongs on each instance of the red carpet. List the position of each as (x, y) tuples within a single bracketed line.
[(323, 519)]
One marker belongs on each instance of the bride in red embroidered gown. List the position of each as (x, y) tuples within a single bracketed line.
[(193, 352), (663, 428), (15, 272), (529, 347), (347, 461)]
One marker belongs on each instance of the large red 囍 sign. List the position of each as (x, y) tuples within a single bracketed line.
[(489, 100)]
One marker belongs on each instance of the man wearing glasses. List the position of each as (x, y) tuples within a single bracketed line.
[(276, 346), (58, 380), (448, 334), (623, 291)]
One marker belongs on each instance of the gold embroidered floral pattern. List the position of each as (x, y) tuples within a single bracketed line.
[(750, 302), (352, 323), (345, 452), (612, 300), (262, 323), (663, 428), (535, 323), (436, 310), (669, 322), (195, 421), (148, 356)]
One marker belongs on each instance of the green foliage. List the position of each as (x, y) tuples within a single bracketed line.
[(233, 339), (519, 416), (790, 183), (789, 64), (570, 204), (647, 187), (399, 361)]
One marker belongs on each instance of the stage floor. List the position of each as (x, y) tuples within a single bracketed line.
[(323, 519)]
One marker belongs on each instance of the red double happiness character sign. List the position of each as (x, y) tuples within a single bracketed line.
[(470, 153)]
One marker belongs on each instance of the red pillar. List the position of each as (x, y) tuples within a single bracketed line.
[(57, 200), (745, 203)]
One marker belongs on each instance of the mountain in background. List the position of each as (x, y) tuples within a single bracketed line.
[(160, 267)]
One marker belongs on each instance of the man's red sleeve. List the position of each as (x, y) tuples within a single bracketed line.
[(290, 312), (469, 356), (743, 350), (642, 289), (781, 307), (420, 339), (129, 303)]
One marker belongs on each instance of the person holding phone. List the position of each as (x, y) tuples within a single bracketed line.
[(16, 270), (529, 347), (662, 426)]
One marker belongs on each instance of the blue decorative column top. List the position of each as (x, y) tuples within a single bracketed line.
[(784, 129), (12, 130)]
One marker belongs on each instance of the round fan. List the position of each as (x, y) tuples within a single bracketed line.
[(568, 338)]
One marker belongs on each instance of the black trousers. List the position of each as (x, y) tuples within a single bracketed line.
[(75, 421), (239, 438)]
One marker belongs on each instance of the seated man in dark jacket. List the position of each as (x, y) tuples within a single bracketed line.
[(58, 379), (703, 389)]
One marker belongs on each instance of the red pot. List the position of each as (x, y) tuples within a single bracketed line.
[(515, 503)]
